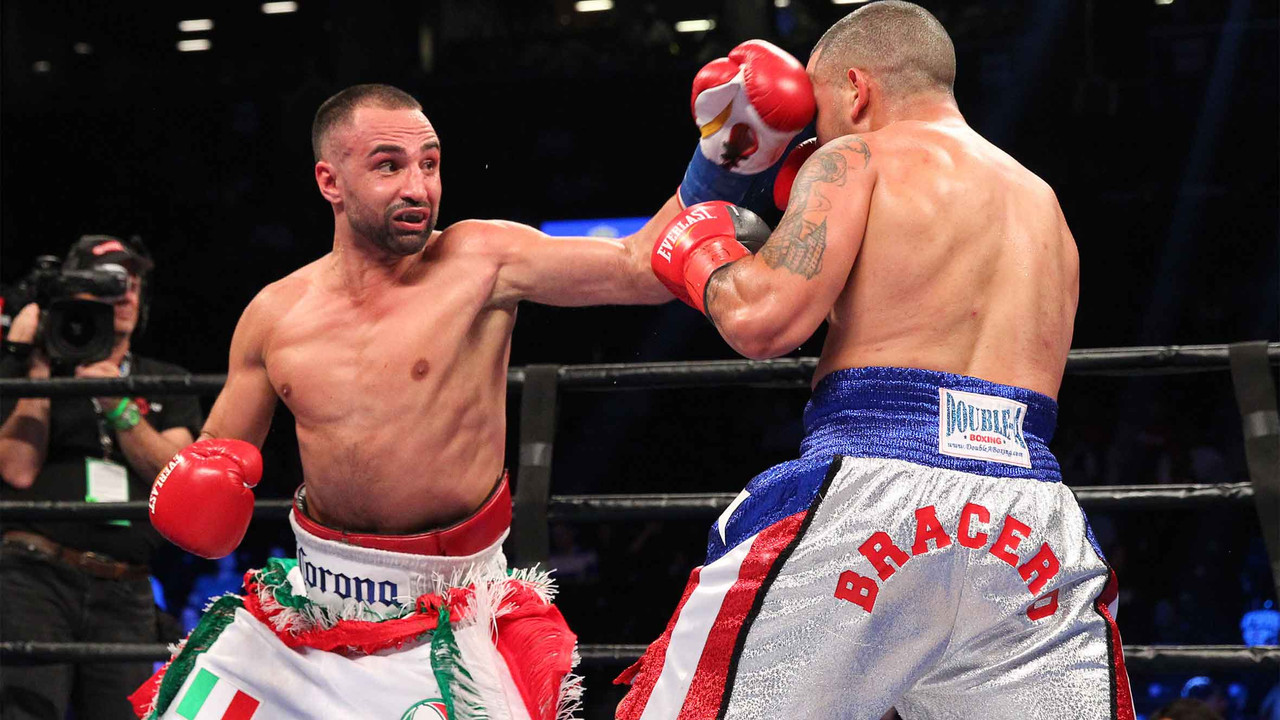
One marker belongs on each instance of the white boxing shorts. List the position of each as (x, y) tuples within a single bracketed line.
[(921, 554), (402, 627)]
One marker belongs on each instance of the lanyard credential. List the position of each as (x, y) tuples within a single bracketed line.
[(104, 436)]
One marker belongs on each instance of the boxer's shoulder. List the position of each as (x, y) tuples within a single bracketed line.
[(479, 238), (289, 289), (488, 245), (276, 299), (859, 148), (846, 163)]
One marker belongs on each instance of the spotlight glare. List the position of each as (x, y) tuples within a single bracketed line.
[(586, 6), (200, 25), (781, 3), (194, 45), (690, 26), (82, 48), (277, 8), (1164, 2), (41, 66)]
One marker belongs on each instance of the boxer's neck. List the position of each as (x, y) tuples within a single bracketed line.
[(930, 107), (358, 267)]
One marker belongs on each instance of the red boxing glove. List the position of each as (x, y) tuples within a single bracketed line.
[(202, 500), (700, 241), (750, 105), (789, 169)]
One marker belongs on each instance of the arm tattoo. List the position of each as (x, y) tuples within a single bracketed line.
[(801, 238)]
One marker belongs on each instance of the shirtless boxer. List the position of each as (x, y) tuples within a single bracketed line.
[(922, 552), (391, 352)]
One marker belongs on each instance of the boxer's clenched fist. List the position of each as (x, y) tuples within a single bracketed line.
[(700, 241), (202, 500), (750, 105)]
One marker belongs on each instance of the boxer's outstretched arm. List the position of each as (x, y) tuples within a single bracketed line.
[(766, 305), (575, 271), (244, 407)]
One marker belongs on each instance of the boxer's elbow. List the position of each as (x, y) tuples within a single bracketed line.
[(760, 330)]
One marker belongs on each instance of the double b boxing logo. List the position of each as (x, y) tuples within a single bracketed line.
[(982, 427)]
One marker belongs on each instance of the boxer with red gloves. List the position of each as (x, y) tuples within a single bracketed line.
[(391, 353), (202, 500), (751, 108)]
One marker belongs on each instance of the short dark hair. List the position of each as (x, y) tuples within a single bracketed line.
[(903, 44), (338, 109)]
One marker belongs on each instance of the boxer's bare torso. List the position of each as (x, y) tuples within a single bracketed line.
[(966, 265), (398, 384), (922, 245), (398, 389)]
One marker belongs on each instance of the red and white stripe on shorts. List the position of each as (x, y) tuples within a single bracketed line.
[(684, 673)]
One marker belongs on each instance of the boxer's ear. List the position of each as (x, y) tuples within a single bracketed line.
[(327, 181), (860, 94)]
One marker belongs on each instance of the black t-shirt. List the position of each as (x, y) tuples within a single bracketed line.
[(74, 438)]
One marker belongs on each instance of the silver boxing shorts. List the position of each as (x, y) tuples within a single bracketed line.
[(921, 554)]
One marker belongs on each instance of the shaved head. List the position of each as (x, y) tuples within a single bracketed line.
[(339, 109), (900, 43)]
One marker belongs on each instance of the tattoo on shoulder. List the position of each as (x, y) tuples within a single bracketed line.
[(858, 146), (801, 238)]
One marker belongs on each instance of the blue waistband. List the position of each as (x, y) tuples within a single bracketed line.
[(890, 412)]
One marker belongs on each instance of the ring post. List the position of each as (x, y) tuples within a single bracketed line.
[(1256, 397), (529, 542)]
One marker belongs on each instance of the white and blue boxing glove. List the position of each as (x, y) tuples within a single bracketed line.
[(750, 108)]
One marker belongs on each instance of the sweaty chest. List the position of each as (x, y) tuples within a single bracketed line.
[(375, 364)]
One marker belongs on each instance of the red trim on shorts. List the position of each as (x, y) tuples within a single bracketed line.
[(643, 675), (1121, 694), (707, 688), (476, 532)]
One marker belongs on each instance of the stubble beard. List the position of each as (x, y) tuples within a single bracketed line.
[(381, 235)]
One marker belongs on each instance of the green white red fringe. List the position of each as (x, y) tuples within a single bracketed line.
[(527, 634)]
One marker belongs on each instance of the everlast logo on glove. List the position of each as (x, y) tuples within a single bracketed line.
[(695, 215), (159, 483)]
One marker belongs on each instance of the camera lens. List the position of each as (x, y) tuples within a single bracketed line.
[(77, 330)]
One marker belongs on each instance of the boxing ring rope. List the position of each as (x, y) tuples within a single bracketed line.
[(663, 506), (788, 372), (1145, 658), (1250, 365)]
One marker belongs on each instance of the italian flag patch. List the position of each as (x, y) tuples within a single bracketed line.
[(210, 697)]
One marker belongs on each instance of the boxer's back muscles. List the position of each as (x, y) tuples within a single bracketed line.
[(923, 246), (966, 265)]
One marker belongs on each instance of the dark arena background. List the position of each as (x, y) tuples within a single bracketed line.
[(1155, 122)]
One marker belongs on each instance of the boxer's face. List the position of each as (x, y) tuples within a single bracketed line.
[(390, 178)]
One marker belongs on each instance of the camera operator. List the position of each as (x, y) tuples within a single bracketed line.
[(85, 581)]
